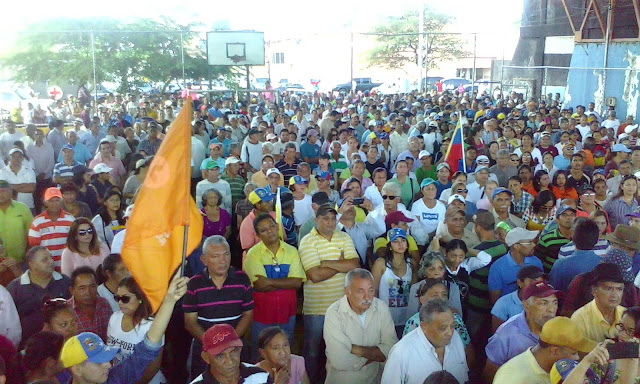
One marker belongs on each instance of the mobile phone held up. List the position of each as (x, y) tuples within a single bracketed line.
[(357, 201), (623, 350)]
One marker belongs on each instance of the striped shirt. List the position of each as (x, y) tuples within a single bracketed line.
[(313, 249), (548, 248), (478, 297), (601, 248), (522, 204), (51, 234), (237, 187), (616, 208), (63, 170), (219, 306)]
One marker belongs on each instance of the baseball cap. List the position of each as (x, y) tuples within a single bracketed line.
[(396, 217), (564, 208), (620, 148), (504, 226), (211, 164), (481, 168), (426, 181), (102, 168), (423, 153), (395, 233), (110, 139), (539, 289), (453, 198), (312, 132), (271, 136), (563, 332), (518, 234), (52, 192), (529, 272), (324, 209), (68, 146), (297, 179), (482, 159), (78, 120), (562, 368), (231, 160), (323, 175), (635, 213), (500, 190), (443, 165), (16, 150), (86, 346), (271, 171), (219, 338), (253, 131), (261, 194), (215, 145)]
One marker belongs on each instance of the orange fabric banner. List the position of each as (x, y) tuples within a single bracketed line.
[(153, 243)]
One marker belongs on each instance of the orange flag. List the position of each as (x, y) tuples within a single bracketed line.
[(153, 243)]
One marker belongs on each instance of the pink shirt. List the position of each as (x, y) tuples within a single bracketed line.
[(117, 169), (297, 369), (71, 260)]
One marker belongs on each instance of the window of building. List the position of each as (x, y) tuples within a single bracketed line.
[(278, 58)]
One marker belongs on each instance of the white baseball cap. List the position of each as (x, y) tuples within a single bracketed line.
[(423, 153), (231, 160), (271, 171), (455, 197), (518, 234), (102, 168)]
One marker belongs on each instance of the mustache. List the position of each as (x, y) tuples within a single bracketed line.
[(366, 302)]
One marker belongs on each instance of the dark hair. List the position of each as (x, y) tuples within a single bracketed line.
[(428, 284), (455, 244), (31, 253), (260, 218), (634, 312), (72, 240), (441, 377), (541, 199), (110, 262), (536, 179), (84, 270), (69, 187), (267, 334), (40, 347), (559, 172), (621, 192), (586, 234), (52, 306), (516, 178), (103, 212), (131, 167), (144, 310)]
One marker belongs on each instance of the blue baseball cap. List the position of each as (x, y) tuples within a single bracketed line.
[(562, 368), (395, 233), (261, 194), (620, 148), (500, 190), (86, 346), (68, 146), (323, 175), (297, 179), (427, 181)]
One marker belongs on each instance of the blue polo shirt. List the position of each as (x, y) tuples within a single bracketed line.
[(81, 154), (511, 339), (310, 151), (565, 269), (507, 306), (441, 187), (503, 273), (561, 162)]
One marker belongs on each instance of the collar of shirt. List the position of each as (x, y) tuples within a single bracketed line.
[(26, 280)]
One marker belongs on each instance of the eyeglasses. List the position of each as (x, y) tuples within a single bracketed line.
[(124, 299), (400, 287), (525, 243), (83, 232), (462, 190), (389, 197), (589, 194), (629, 331)]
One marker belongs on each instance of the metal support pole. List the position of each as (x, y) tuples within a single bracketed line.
[(546, 80), (420, 46), (351, 60), (248, 97), (606, 49), (93, 58), (184, 79), (502, 76), (473, 81)]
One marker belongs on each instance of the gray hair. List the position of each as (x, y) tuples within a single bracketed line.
[(208, 193), (304, 164), (233, 146), (336, 142), (358, 273), (431, 308), (427, 260), (31, 253), (393, 188), (502, 153), (354, 162), (213, 241), (290, 145), (250, 186)]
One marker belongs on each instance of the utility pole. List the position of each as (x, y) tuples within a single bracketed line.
[(420, 46)]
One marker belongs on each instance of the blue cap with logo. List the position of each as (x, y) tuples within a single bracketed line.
[(395, 233), (86, 346), (261, 194)]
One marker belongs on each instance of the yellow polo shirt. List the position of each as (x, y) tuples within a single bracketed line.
[(522, 369), (314, 249), (261, 262), (14, 228), (592, 324)]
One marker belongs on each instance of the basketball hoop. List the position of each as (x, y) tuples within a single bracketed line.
[(236, 52)]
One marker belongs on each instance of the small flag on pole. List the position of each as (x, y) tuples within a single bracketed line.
[(455, 152)]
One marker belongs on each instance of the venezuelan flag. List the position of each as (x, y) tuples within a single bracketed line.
[(455, 152)]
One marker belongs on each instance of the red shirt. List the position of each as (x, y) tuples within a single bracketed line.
[(100, 320)]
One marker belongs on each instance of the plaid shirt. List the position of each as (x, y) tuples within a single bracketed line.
[(100, 321), (522, 204)]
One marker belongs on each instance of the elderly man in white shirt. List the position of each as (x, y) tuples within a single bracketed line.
[(434, 346), (10, 320), (358, 332)]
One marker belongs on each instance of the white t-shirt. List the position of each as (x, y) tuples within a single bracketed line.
[(126, 341), (429, 217), (6, 142), (24, 176), (104, 292), (302, 210), (615, 123)]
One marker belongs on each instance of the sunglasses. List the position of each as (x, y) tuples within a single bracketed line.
[(124, 299), (462, 190), (58, 302), (389, 197), (400, 287), (83, 232)]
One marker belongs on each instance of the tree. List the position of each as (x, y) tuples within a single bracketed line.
[(397, 41), (129, 54)]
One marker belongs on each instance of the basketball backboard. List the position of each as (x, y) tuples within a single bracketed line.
[(235, 48)]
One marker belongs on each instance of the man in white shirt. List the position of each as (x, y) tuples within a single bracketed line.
[(583, 127), (10, 321), (8, 138), (434, 346), (21, 178), (475, 190), (213, 181), (611, 121), (251, 153), (358, 332)]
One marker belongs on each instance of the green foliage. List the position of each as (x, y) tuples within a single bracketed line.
[(129, 54), (397, 41)]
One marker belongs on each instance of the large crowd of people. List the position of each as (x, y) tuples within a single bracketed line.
[(511, 258)]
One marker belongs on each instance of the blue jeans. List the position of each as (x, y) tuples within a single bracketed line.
[(257, 327), (314, 348)]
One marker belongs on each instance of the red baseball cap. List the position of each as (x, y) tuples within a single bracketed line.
[(540, 289), (219, 338), (396, 218)]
